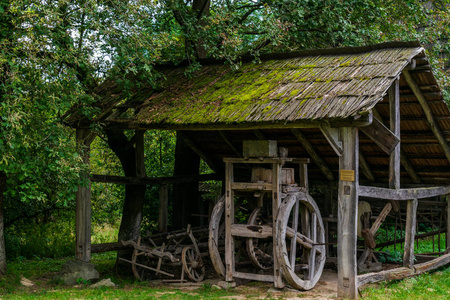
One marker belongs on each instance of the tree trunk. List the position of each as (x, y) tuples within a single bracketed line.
[(186, 198), (130, 225), (2, 227)]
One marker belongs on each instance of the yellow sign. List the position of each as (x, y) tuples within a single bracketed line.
[(347, 175)]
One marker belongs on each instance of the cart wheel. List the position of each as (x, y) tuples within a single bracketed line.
[(217, 236), (193, 264), (143, 274), (260, 251), (300, 236)]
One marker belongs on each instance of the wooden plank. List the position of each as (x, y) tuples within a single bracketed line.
[(276, 199), (293, 247), (154, 180), (434, 126), (404, 161), (83, 202), (312, 254), (347, 216), (264, 160), (251, 231), (332, 136), (229, 220), (253, 276), (303, 173), (354, 121), (381, 135), (245, 186), (314, 155), (380, 219), (394, 123), (402, 194), (401, 273), (199, 152), (163, 207), (410, 231)]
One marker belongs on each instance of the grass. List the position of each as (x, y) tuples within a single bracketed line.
[(41, 271)]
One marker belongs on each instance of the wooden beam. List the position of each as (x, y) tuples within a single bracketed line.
[(259, 134), (199, 152), (428, 113), (357, 121), (365, 168), (276, 201), (403, 158), (402, 194), (154, 180), (410, 232), (394, 123), (381, 135), (348, 214), (332, 136), (163, 207), (227, 140), (401, 273), (229, 220), (314, 155), (83, 201)]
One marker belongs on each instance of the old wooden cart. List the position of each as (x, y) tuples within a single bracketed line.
[(178, 249), (284, 234)]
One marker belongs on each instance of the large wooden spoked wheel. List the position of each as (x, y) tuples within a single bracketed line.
[(300, 238), (193, 264), (260, 251), (217, 236)]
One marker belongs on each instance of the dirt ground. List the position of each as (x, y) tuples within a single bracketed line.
[(326, 288)]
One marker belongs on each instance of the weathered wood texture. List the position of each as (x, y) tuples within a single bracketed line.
[(154, 181), (314, 155), (402, 194), (381, 135), (394, 156), (163, 207), (83, 202), (410, 231), (434, 126), (276, 198), (401, 273), (229, 220), (347, 216)]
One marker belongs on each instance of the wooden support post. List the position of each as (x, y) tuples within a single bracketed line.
[(394, 123), (83, 202), (276, 172), (163, 207), (348, 214), (410, 231), (229, 218), (448, 223)]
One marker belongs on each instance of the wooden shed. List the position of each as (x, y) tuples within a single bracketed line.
[(371, 119)]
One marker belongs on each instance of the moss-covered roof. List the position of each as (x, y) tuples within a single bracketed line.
[(313, 85)]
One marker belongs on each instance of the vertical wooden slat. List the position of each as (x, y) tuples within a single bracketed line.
[(303, 170), (312, 254), (163, 207), (347, 214), (394, 123), (229, 218), (410, 231), (276, 170), (83, 203)]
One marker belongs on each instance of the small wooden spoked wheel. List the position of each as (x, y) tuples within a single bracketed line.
[(300, 237), (193, 264), (260, 251), (217, 236)]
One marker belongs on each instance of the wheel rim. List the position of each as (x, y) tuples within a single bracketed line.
[(303, 267), (141, 273), (192, 264), (216, 232)]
